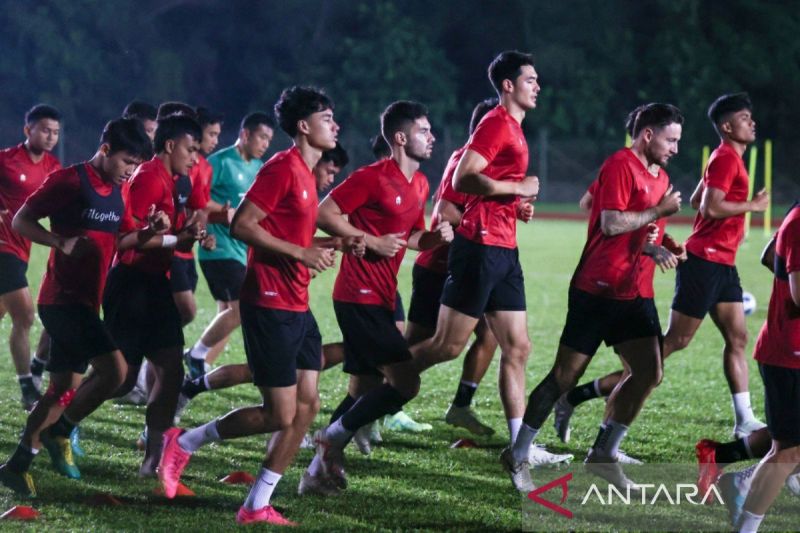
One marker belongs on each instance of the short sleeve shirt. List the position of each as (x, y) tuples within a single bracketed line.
[(200, 178)]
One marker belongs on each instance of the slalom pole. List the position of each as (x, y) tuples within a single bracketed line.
[(768, 186), (751, 173)]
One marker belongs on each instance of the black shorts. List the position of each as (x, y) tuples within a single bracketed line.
[(426, 291), (12, 273), (224, 278), (399, 310), (77, 335), (183, 275), (482, 279), (593, 319), (278, 343), (782, 402), (701, 284), (371, 338), (140, 313)]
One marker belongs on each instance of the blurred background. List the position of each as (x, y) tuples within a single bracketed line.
[(596, 62)]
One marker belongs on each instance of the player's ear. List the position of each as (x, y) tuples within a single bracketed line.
[(26, 129), (303, 126), (105, 148), (726, 127), (400, 138), (508, 86), (169, 146)]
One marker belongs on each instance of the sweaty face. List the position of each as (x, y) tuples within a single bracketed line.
[(257, 141), (183, 154), (43, 135), (150, 127), (325, 172), (322, 129), (210, 138), (119, 166), (742, 127), (662, 144), (526, 87), (420, 139)]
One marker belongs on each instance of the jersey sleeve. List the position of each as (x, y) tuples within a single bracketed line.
[(791, 237), (419, 225), (721, 172), (198, 199), (613, 190), (271, 185), (54, 194), (146, 189), (354, 191), (489, 137)]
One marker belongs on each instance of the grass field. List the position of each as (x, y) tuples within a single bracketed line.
[(411, 481)]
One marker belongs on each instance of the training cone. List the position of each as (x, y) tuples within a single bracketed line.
[(20, 512), (239, 478), (464, 443), (102, 499), (183, 490)]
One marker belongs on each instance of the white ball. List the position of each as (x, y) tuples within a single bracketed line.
[(749, 302)]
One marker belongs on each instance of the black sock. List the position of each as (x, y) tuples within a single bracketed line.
[(602, 437), (464, 394), (62, 427), (541, 401), (385, 400), (732, 452), (26, 382), (37, 367), (582, 393), (193, 387), (342, 408), (21, 459)]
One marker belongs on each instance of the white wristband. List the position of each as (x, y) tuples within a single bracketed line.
[(169, 241)]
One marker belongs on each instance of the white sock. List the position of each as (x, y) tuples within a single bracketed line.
[(470, 384), (749, 522), (199, 350), (513, 428), (742, 409), (612, 437), (315, 468), (20, 377), (261, 491), (193, 439), (596, 386), (337, 434), (205, 382), (522, 443)]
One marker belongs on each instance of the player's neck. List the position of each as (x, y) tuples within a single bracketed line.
[(310, 154), (242, 152), (740, 147), (166, 160), (35, 155), (638, 151), (513, 109), (408, 166), (96, 162)]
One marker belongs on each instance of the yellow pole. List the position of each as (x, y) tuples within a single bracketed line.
[(768, 185), (751, 173), (704, 160), (628, 140)]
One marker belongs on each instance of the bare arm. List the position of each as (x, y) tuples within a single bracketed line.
[(617, 222), (768, 254), (794, 287), (27, 224), (714, 205), (448, 211), (697, 195), (469, 179), (425, 240), (331, 220), (585, 203)]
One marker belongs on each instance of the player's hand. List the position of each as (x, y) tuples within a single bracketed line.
[(528, 187), (678, 249), (444, 231), (158, 221), (229, 211), (75, 246), (355, 245), (525, 211), (318, 259), (387, 245), (670, 203), (209, 243), (664, 258), (760, 201), (652, 233)]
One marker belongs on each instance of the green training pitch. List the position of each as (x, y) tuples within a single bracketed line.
[(410, 481)]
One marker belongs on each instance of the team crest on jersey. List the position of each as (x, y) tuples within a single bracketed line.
[(241, 177), (305, 195), (398, 200), (22, 177)]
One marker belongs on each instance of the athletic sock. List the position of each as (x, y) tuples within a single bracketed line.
[(342, 408), (193, 387), (337, 434), (63, 427), (732, 452), (523, 442), (37, 366), (513, 428), (316, 466), (262, 489), (199, 350), (582, 393), (22, 458), (384, 400), (25, 381), (749, 522), (464, 393), (193, 439), (742, 409), (609, 438)]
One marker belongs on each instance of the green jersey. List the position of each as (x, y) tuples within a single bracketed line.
[(231, 179)]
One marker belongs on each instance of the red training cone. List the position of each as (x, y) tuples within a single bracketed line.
[(464, 443), (20, 512), (102, 499), (183, 490), (239, 478)]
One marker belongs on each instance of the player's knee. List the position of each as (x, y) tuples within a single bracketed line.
[(188, 313), (23, 319), (737, 341), (565, 378), (408, 386), (282, 418), (448, 350), (678, 342), (518, 352)]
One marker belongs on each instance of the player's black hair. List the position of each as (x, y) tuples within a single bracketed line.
[(727, 104), (337, 155), (252, 121), (206, 117), (297, 103), (398, 115), (127, 135), (630, 120), (507, 66), (167, 109), (140, 110), (656, 116), (40, 111), (175, 127), (480, 111), (380, 148)]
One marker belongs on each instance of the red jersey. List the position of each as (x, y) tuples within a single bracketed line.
[(436, 258), (492, 220), (613, 267), (778, 342), (151, 184), (79, 203), (285, 189), (718, 240), (379, 199), (200, 178), (19, 177)]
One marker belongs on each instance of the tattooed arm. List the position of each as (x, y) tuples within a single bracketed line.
[(617, 222)]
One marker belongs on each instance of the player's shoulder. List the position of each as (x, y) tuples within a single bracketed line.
[(725, 156), (51, 162)]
